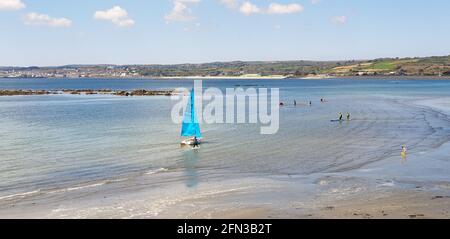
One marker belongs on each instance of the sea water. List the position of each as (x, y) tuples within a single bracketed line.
[(66, 143)]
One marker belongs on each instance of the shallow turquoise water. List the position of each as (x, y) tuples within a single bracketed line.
[(58, 142)]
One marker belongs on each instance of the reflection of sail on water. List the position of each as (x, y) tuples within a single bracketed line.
[(191, 177), (190, 126)]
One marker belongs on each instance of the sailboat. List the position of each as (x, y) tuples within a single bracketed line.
[(190, 125)]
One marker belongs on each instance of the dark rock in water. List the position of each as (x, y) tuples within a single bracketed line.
[(141, 92), (91, 92), (439, 197), (104, 91), (15, 92), (121, 93)]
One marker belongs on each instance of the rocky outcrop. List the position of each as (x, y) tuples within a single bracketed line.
[(143, 92), (140, 92), (24, 92)]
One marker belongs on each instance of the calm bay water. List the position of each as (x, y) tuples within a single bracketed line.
[(59, 142)]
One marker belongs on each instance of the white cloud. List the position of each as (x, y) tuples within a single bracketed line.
[(249, 8), (116, 15), (339, 19), (36, 19), (181, 11), (11, 4), (275, 8)]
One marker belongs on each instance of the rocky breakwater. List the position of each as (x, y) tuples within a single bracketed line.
[(25, 92), (143, 93), (140, 92)]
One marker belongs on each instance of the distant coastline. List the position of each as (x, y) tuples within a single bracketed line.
[(426, 67), (418, 77), (412, 77)]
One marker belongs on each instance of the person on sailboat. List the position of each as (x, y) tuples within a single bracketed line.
[(195, 143)]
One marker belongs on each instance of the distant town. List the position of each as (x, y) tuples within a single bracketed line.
[(437, 66)]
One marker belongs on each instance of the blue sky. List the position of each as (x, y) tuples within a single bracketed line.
[(49, 32)]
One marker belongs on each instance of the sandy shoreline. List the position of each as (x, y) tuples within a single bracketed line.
[(234, 204), (393, 205)]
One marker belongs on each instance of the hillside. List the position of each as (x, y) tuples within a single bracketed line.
[(429, 66), (425, 66)]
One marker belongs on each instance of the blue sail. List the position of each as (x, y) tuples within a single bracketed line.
[(190, 126)]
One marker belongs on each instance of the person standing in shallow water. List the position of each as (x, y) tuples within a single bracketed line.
[(348, 116), (403, 153), (340, 116)]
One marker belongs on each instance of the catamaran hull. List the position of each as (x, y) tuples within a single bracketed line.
[(189, 142)]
